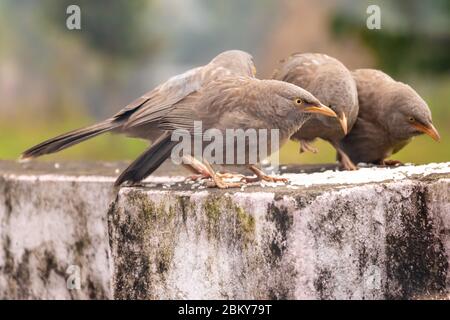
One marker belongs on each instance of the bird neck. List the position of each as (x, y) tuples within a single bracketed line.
[(290, 122)]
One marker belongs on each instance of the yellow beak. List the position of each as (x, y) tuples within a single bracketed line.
[(429, 130), (321, 109), (343, 121)]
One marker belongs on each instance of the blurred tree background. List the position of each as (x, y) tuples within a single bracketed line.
[(53, 79)]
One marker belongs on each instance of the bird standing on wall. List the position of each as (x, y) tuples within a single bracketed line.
[(391, 113), (332, 83), (163, 97), (228, 103), (223, 95)]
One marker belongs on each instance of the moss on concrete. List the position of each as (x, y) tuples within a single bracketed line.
[(320, 241), (219, 210)]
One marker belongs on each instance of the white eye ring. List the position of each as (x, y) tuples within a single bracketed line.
[(298, 101)]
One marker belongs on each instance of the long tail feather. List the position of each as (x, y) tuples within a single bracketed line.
[(69, 139), (148, 162)]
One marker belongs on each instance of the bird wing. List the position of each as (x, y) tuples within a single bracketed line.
[(300, 68), (223, 103), (163, 96)]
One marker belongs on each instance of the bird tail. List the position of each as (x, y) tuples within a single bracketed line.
[(149, 161), (69, 139)]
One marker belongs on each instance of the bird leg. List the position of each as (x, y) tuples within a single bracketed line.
[(344, 159), (222, 175), (307, 146), (218, 180), (260, 175), (229, 175), (390, 162), (199, 170), (346, 162)]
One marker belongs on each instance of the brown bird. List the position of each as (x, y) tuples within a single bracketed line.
[(332, 83), (391, 113), (223, 94), (227, 103), (161, 98)]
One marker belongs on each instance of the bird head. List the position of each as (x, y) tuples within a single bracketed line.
[(335, 87), (410, 116), (237, 61), (302, 100)]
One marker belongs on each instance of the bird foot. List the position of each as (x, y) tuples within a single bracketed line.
[(306, 146), (264, 178), (347, 164), (221, 175), (348, 167), (261, 176), (221, 184), (218, 179), (391, 163), (344, 159), (229, 175)]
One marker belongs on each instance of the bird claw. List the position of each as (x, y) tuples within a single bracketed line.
[(264, 177), (260, 175), (345, 161), (391, 163), (274, 179), (347, 164), (229, 175), (219, 182), (223, 184), (349, 167), (218, 178), (219, 175)]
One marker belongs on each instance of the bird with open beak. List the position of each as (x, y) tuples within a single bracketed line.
[(332, 83), (391, 113)]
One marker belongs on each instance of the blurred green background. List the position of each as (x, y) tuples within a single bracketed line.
[(53, 79)]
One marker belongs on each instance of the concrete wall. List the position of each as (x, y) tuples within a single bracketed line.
[(371, 234)]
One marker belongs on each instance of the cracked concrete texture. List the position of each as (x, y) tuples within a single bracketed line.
[(47, 227), (373, 240), (364, 242)]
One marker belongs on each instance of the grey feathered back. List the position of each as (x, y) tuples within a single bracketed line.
[(328, 80)]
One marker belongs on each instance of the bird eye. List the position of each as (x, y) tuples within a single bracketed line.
[(298, 101), (411, 119)]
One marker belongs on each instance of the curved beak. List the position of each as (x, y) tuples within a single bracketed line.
[(322, 109), (428, 130), (343, 122)]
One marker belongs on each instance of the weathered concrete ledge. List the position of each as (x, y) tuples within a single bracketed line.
[(375, 233)]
